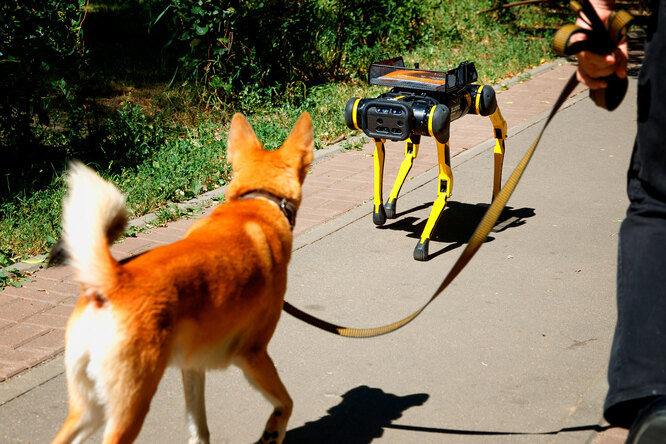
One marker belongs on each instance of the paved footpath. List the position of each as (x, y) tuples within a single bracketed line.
[(32, 318)]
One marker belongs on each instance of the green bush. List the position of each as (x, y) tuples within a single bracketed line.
[(178, 169), (270, 44), (131, 138), (40, 59)]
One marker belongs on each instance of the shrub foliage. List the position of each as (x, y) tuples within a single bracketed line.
[(228, 49), (40, 58), (267, 43)]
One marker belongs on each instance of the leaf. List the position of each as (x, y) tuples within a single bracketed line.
[(5, 260), (36, 260), (160, 16), (201, 30), (196, 187), (15, 284), (16, 271)]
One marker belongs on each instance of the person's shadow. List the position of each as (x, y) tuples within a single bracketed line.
[(365, 412), (361, 416)]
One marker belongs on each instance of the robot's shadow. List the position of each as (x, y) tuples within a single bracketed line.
[(456, 224)]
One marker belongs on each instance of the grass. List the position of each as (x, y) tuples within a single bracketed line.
[(179, 136), (183, 168)]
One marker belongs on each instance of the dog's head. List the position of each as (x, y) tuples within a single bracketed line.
[(280, 172)]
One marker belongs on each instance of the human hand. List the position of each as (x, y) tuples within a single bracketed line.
[(591, 66)]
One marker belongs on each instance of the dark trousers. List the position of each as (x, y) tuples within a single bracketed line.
[(637, 367)]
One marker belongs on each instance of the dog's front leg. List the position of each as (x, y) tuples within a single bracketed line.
[(195, 406)]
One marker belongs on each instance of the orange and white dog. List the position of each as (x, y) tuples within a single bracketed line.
[(209, 300)]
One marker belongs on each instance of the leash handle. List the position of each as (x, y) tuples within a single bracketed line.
[(610, 97), (601, 39)]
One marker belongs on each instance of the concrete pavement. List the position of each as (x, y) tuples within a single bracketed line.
[(515, 351)]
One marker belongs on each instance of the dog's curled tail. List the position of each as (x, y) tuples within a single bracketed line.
[(94, 215)]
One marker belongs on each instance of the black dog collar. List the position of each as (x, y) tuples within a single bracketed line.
[(287, 208)]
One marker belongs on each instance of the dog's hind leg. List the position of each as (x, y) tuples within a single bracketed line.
[(80, 424), (260, 371), (130, 390), (86, 410), (86, 413), (195, 406), (125, 428)]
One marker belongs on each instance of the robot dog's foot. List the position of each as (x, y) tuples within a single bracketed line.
[(379, 216), (421, 250), (390, 208)]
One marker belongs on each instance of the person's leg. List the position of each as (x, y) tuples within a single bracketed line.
[(637, 368)]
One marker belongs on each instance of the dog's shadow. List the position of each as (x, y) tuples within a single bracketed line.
[(361, 417), (456, 224)]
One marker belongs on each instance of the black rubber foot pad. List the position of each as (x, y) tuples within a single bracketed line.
[(379, 217), (390, 209), (421, 251)]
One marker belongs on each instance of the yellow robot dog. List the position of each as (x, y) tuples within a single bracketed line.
[(422, 103)]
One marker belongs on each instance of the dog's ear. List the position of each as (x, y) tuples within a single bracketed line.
[(241, 138), (299, 144)]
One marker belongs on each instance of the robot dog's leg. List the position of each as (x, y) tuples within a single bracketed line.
[(499, 125), (379, 215), (485, 104), (445, 184), (411, 151)]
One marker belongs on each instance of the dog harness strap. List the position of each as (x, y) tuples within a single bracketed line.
[(287, 208)]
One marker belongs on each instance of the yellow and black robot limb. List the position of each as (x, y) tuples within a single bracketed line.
[(411, 151), (382, 212), (444, 187), (438, 120), (499, 130), (378, 213)]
